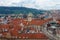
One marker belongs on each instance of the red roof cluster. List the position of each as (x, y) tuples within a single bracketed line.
[(14, 25)]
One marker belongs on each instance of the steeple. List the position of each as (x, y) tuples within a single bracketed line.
[(30, 16)]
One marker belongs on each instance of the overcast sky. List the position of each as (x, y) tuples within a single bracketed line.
[(38, 4)]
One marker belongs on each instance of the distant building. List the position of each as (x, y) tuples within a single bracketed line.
[(30, 17), (25, 16), (20, 15)]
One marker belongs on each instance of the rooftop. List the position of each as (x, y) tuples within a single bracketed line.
[(13, 26)]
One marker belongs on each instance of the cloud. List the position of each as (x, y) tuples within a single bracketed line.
[(38, 4)]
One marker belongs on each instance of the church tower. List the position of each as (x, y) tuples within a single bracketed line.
[(30, 17)]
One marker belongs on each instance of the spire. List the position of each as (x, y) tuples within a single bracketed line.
[(30, 16)]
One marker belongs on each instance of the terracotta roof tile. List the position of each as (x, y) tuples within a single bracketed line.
[(16, 26)]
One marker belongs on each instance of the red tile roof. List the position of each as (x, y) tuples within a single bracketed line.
[(16, 27)]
